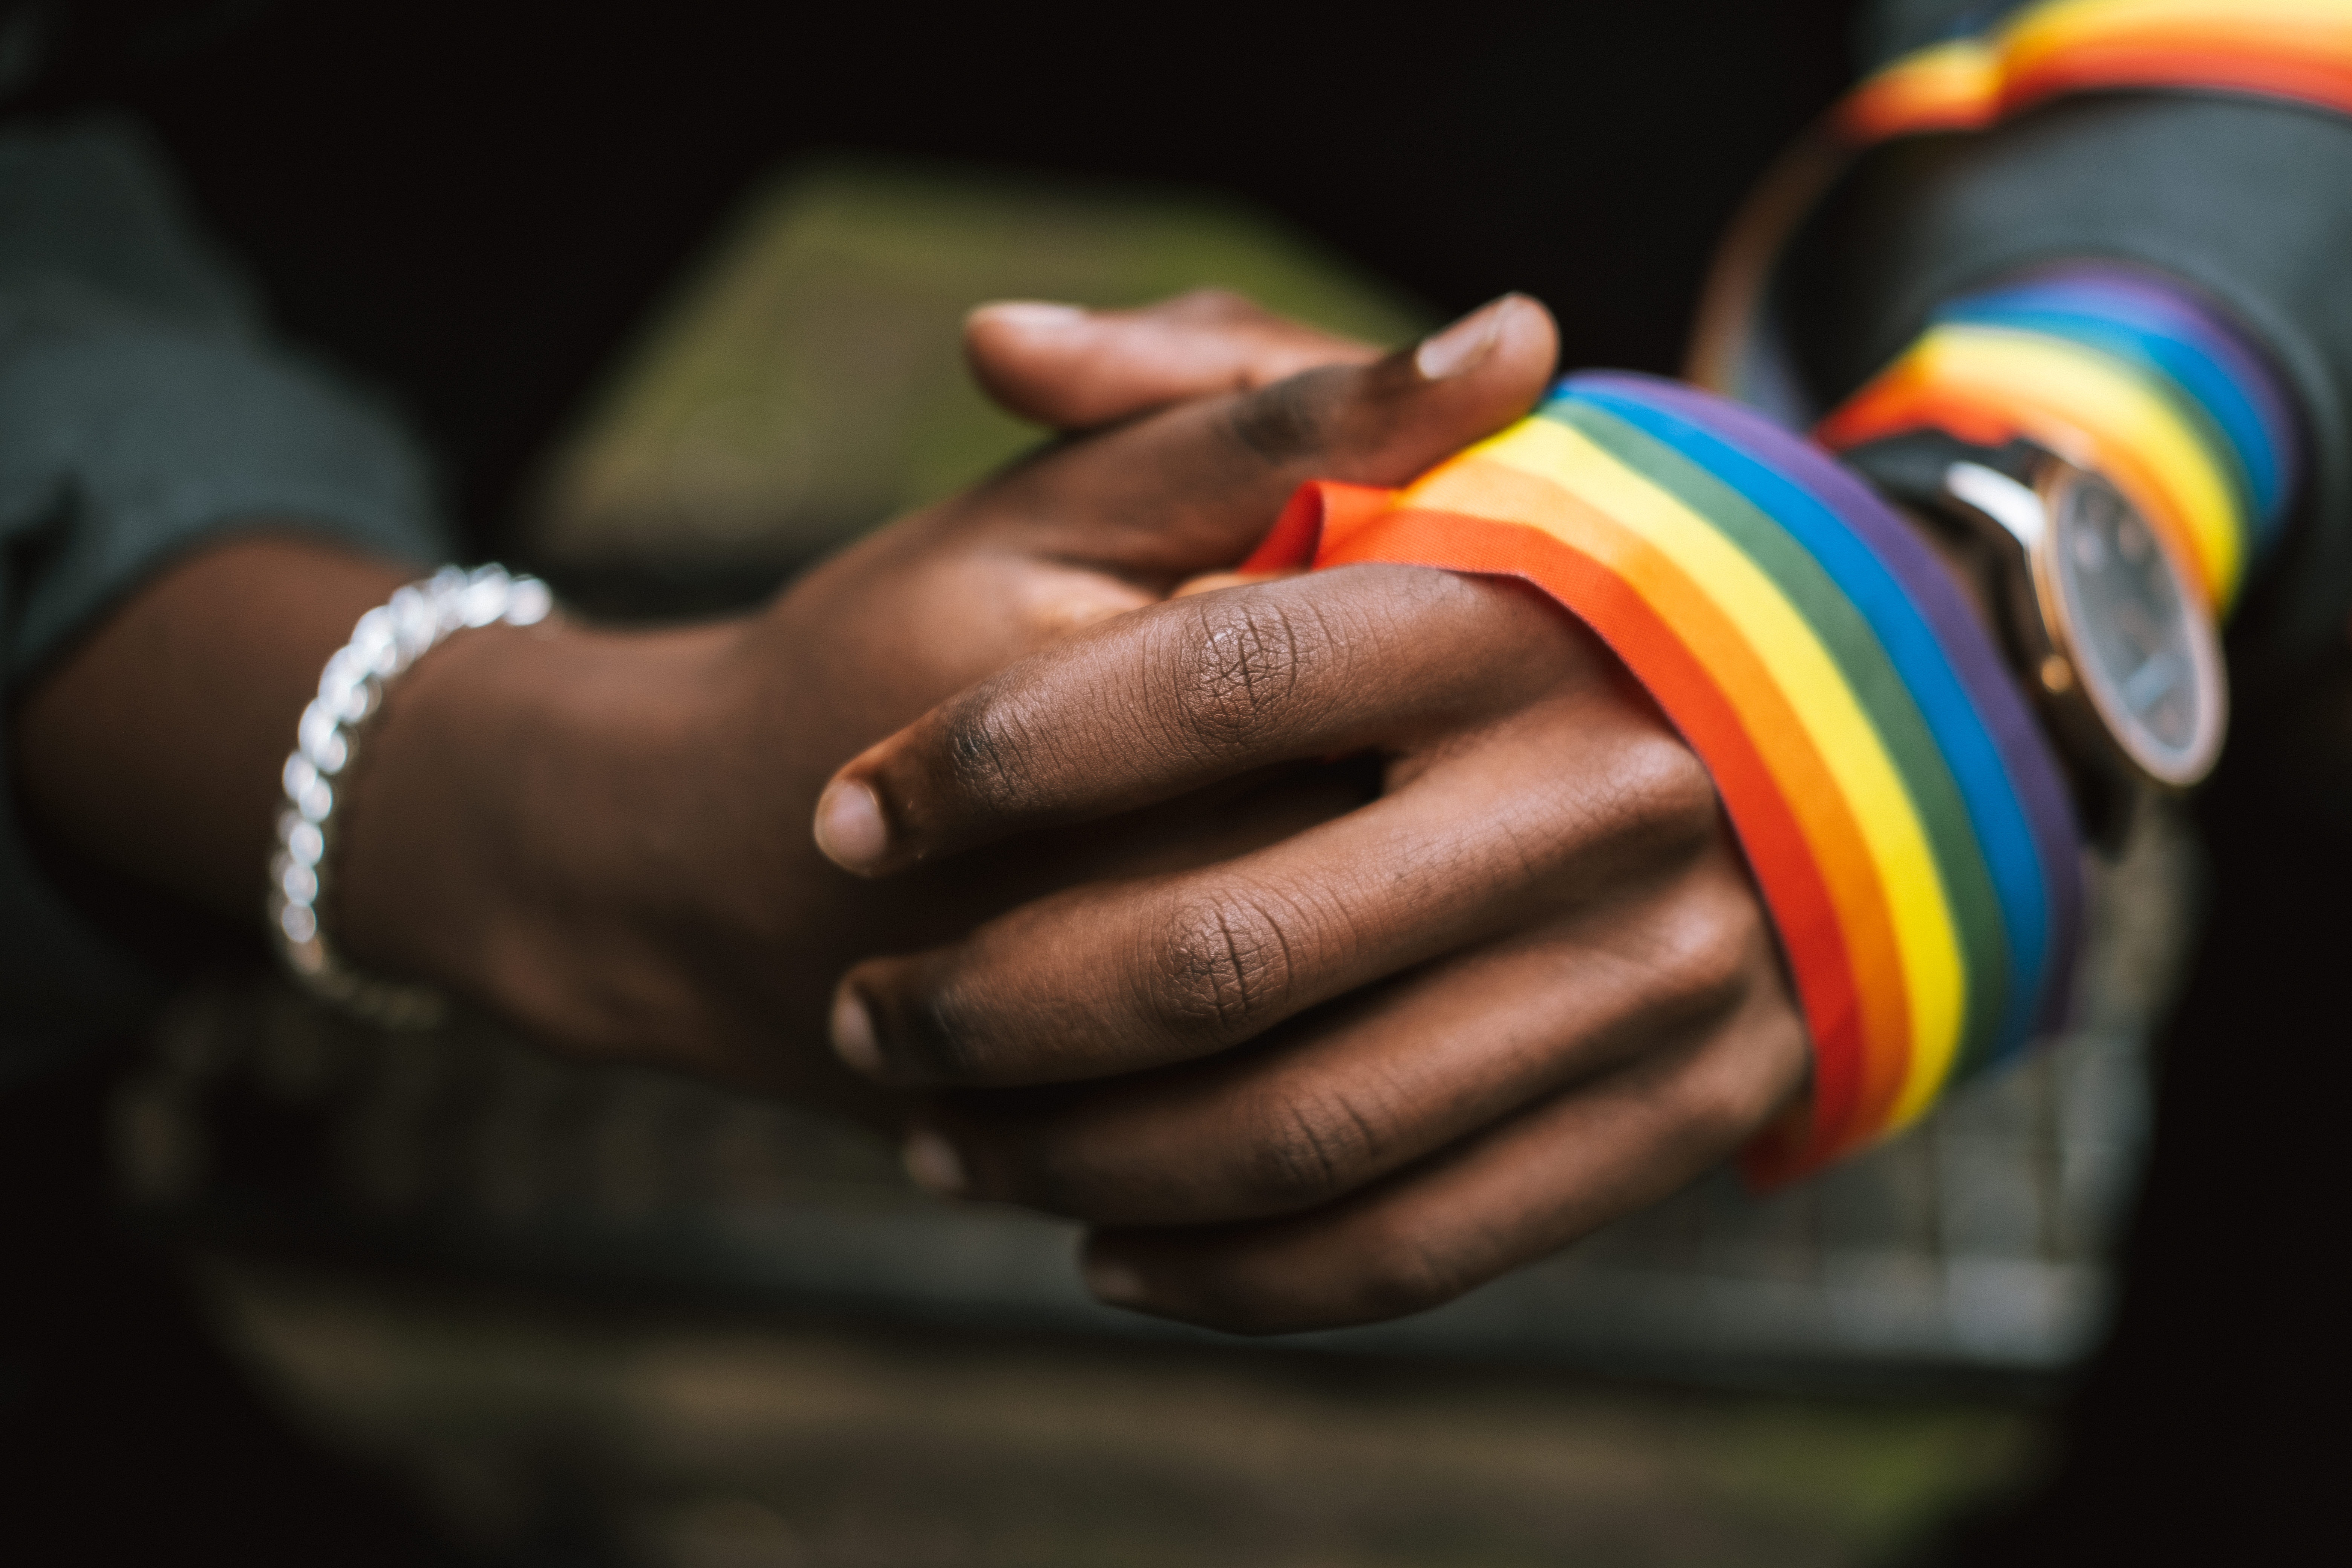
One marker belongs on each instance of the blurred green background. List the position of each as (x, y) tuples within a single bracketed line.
[(806, 379)]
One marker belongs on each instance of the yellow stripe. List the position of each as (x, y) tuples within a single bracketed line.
[(1925, 932), (1964, 79), (2040, 29), (2029, 372), (1959, 81)]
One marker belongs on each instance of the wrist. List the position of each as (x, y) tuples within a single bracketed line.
[(512, 823), (1904, 823)]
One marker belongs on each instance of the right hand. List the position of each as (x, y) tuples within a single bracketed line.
[(1525, 986), (602, 833)]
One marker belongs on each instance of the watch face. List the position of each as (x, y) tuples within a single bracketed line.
[(2143, 648)]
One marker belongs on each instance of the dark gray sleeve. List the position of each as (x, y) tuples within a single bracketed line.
[(1885, 29), (144, 409), (2247, 201)]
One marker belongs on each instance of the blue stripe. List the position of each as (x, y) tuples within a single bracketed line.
[(2113, 327), (1987, 678), (2003, 834), (2161, 310)]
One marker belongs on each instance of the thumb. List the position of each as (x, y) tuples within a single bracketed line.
[(1194, 487)]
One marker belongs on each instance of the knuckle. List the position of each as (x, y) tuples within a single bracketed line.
[(991, 751), (1221, 967), (1664, 801), (1718, 939), (943, 1037), (1405, 1267), (1725, 1098), (1288, 421), (1678, 790), (1305, 1149), (1213, 306), (1240, 667)]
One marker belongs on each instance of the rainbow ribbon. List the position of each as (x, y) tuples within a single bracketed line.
[(2296, 49), (1899, 806), (2116, 371), (1903, 816)]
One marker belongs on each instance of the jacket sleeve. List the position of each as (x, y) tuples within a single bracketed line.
[(144, 409), (2246, 201)]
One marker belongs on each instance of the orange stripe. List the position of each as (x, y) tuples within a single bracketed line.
[(1787, 769), (1487, 488), (1969, 84), (1955, 87), (1803, 909), (2219, 60)]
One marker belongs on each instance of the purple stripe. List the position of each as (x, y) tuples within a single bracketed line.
[(2032, 770), (2094, 286)]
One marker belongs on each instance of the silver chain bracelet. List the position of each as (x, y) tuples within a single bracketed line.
[(384, 643)]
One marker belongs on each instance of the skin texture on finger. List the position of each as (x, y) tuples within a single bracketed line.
[(603, 834), (1512, 1195), (1181, 694), (1073, 369), (1355, 1094), (1084, 532), (1579, 792), (1192, 487)]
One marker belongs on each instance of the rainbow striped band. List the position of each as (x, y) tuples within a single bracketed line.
[(2116, 371), (1902, 813), (2296, 49)]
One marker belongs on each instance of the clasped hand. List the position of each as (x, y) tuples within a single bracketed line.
[(1327, 944)]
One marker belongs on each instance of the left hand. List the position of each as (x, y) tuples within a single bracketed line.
[(599, 832), (1524, 987)]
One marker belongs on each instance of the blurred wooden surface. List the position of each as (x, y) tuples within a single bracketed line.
[(542, 1431)]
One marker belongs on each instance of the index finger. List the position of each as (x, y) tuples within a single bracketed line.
[(1165, 699), (1076, 369)]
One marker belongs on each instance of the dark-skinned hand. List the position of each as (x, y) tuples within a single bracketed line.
[(1315, 1042), (1523, 986), (601, 834)]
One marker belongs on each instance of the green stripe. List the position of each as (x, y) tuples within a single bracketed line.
[(1884, 697)]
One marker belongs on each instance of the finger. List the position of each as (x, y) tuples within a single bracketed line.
[(1504, 1198), (1393, 1078), (1212, 582), (1074, 368), (1175, 696), (1569, 799), (1191, 487)]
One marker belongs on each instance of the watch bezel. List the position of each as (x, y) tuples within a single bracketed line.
[(2169, 768)]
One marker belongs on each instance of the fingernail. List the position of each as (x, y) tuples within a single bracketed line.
[(1464, 344), (1034, 315), (853, 1034), (850, 831), (933, 1163), (1112, 1281)]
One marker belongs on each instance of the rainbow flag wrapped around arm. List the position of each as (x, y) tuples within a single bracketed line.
[(1907, 825), (1906, 820)]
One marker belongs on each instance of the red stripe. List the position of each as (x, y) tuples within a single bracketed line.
[(2111, 64), (1361, 526)]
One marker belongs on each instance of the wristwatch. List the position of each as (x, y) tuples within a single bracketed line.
[(2120, 655)]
